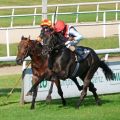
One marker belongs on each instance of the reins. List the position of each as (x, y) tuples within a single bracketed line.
[(16, 83), (59, 46)]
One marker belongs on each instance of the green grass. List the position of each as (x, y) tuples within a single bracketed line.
[(10, 108), (100, 43), (13, 49), (9, 81), (38, 2)]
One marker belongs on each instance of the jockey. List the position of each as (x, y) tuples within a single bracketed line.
[(74, 37), (44, 24)]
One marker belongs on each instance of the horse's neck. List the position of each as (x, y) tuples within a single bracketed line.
[(36, 57)]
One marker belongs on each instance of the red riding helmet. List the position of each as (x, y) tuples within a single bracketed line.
[(59, 26), (46, 22)]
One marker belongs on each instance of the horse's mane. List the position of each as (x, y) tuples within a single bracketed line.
[(60, 38), (57, 40)]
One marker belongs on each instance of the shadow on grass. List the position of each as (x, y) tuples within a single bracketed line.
[(6, 103), (6, 99), (71, 102), (5, 91)]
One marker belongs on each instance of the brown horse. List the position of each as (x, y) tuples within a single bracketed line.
[(39, 64), (64, 63)]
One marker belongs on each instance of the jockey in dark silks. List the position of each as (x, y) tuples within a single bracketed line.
[(47, 26)]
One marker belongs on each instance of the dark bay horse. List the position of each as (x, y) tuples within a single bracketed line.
[(39, 65), (64, 59)]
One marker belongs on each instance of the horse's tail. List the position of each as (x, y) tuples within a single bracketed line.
[(107, 71)]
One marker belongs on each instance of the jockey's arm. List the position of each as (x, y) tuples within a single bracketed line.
[(77, 36)]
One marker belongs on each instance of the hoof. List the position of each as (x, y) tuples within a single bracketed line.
[(64, 103), (77, 105), (29, 93), (48, 99), (32, 108), (98, 102)]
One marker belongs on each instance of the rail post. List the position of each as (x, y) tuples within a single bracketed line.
[(119, 34), (97, 17), (104, 24), (44, 9), (34, 19), (7, 43), (13, 10)]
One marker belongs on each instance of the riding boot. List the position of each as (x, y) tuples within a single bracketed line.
[(79, 52)]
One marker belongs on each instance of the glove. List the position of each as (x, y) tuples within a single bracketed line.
[(66, 43), (39, 39)]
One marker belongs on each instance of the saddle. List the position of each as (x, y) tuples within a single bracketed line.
[(81, 53)]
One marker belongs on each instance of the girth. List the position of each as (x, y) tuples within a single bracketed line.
[(75, 70)]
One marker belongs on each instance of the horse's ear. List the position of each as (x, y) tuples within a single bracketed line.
[(22, 38)]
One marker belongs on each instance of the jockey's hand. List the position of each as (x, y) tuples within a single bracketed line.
[(39, 39), (68, 42)]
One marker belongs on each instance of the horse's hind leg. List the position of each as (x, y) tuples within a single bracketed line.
[(36, 82), (49, 98), (83, 93), (77, 84), (86, 83), (93, 90)]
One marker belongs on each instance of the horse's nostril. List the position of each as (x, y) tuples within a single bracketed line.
[(18, 61)]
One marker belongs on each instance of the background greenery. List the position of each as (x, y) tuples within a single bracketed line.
[(38, 2), (18, 21)]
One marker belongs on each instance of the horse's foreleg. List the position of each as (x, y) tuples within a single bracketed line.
[(60, 92), (34, 89), (49, 98), (34, 98), (36, 82)]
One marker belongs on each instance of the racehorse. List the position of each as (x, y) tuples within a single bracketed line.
[(39, 65), (64, 63)]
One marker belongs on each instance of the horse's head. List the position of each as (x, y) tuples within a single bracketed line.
[(23, 49), (46, 35), (51, 39)]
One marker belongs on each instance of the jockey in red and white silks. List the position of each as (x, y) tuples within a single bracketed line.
[(74, 37)]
